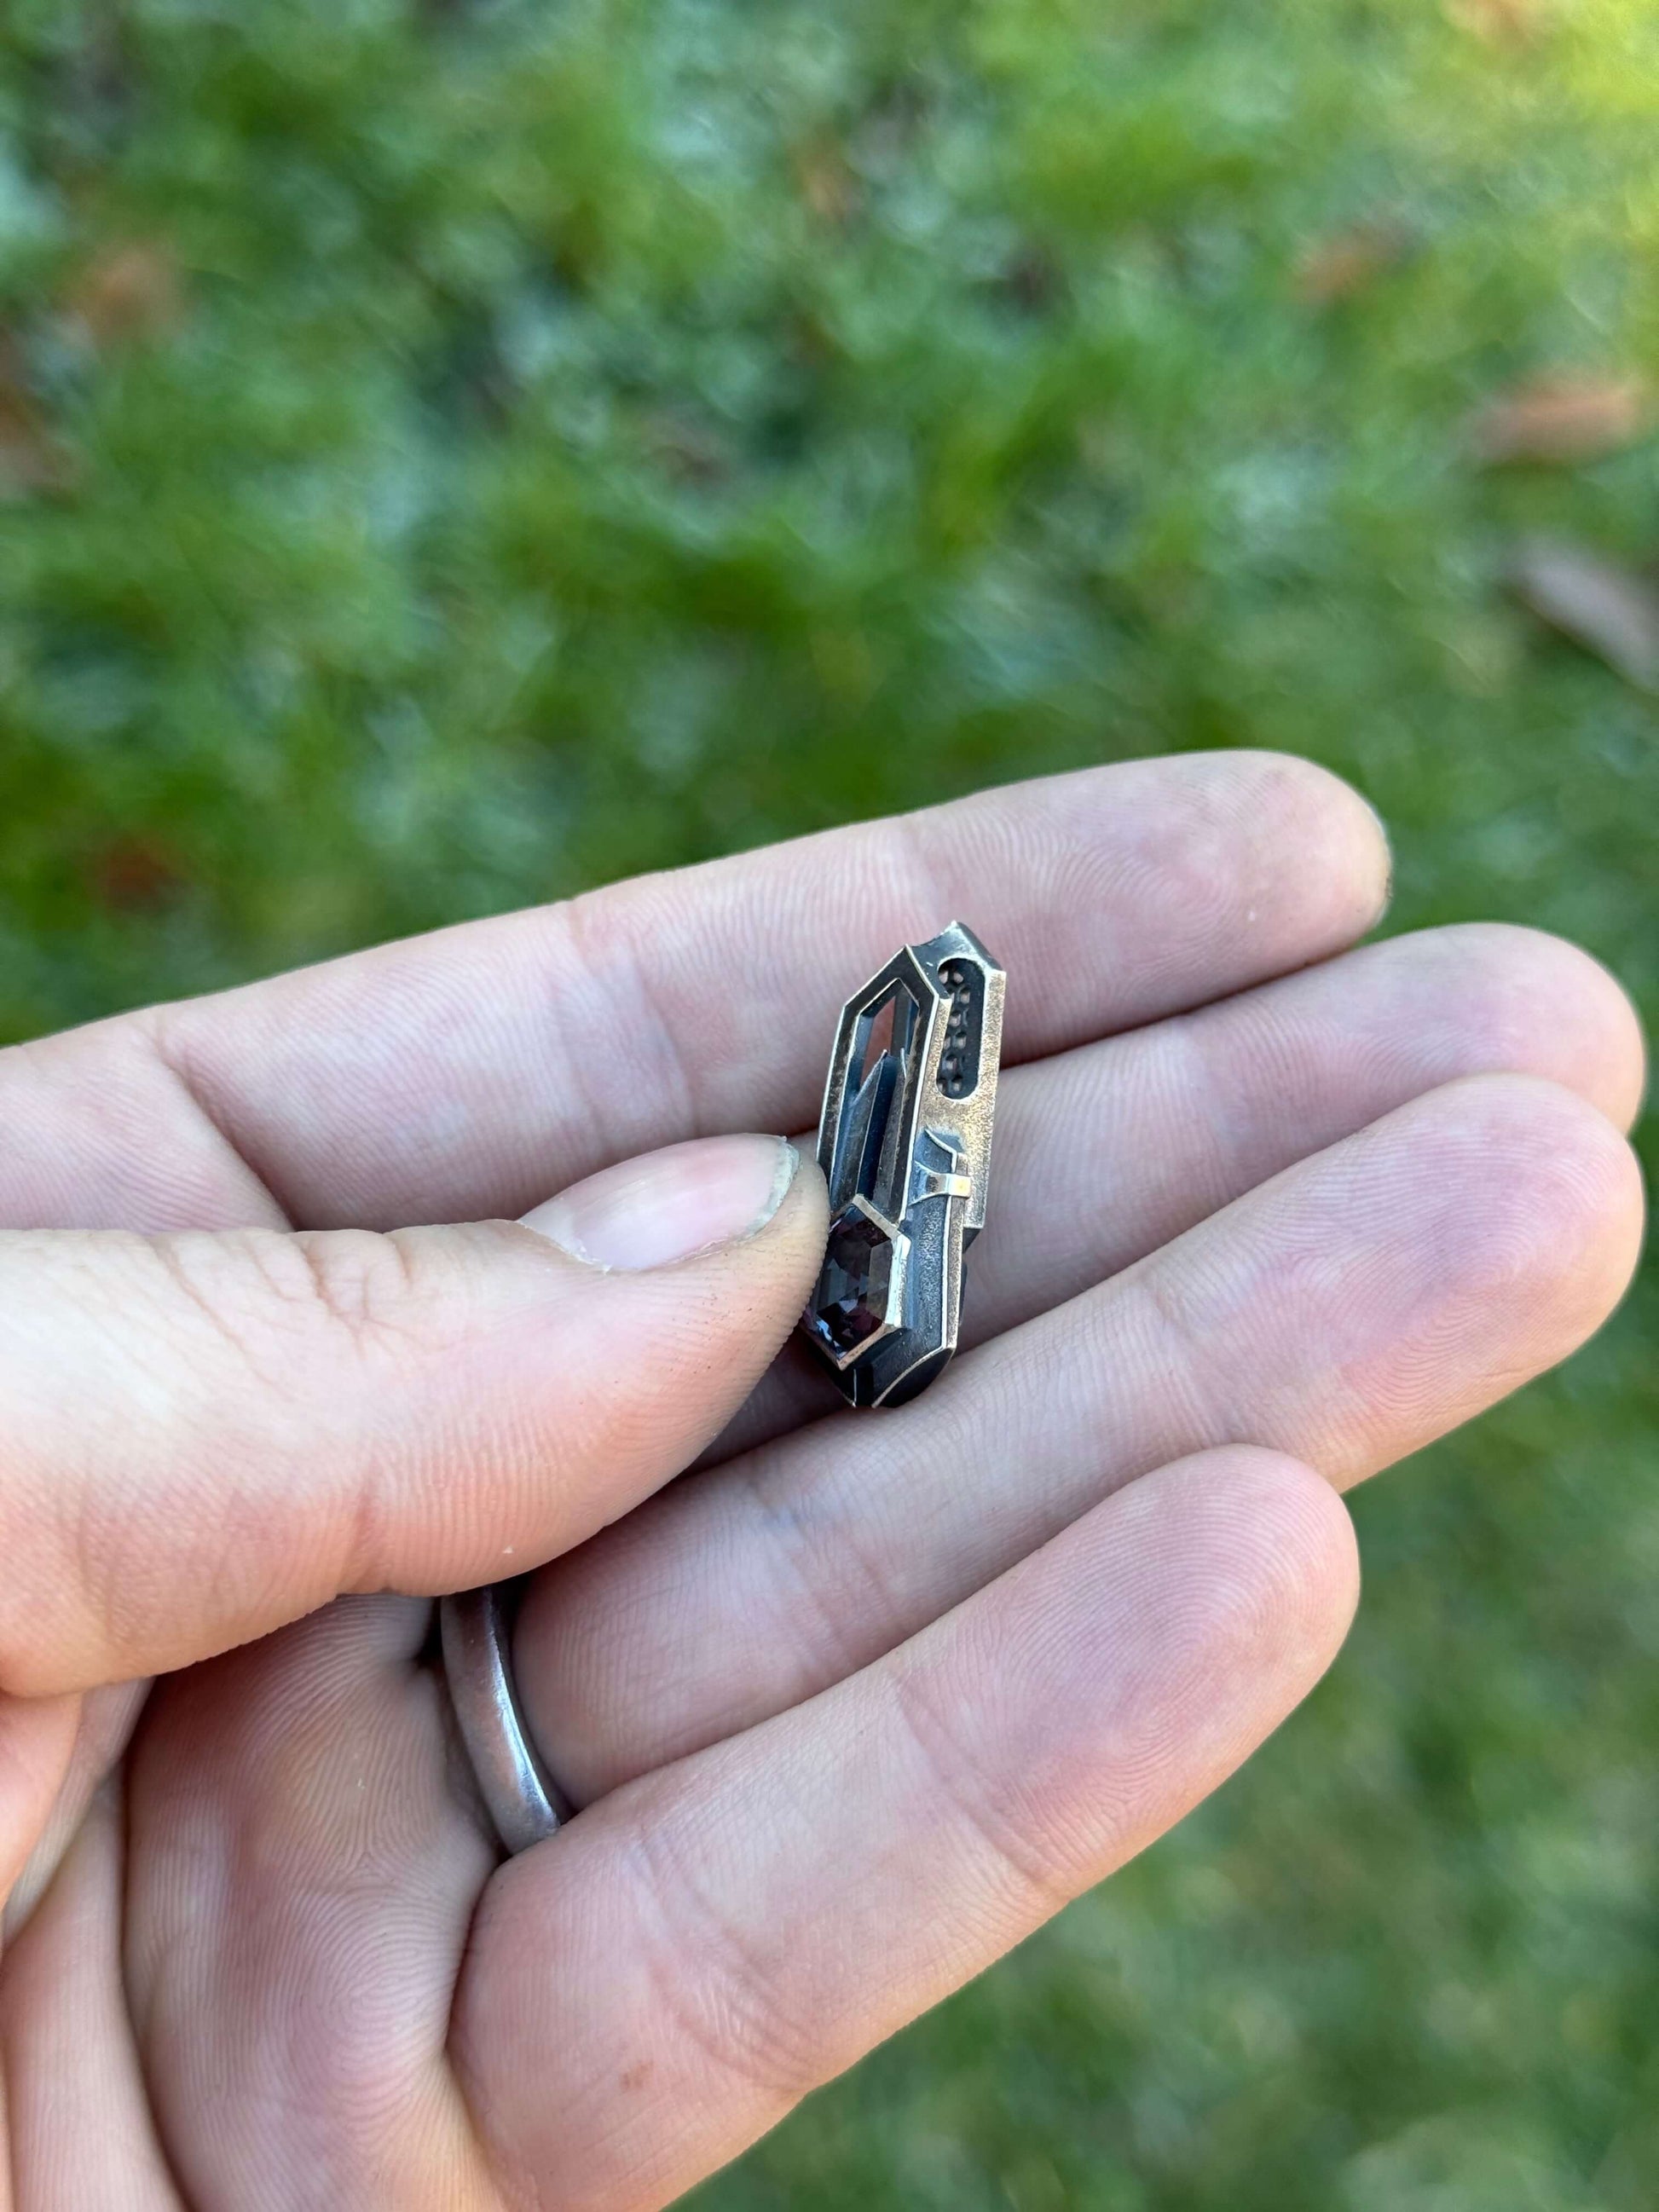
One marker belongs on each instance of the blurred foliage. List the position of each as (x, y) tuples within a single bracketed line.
[(453, 453)]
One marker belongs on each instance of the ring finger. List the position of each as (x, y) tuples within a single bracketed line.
[(1108, 1151), (1348, 1312)]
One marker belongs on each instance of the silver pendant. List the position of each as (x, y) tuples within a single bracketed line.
[(904, 1142)]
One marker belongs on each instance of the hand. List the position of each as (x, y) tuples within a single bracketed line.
[(862, 1702)]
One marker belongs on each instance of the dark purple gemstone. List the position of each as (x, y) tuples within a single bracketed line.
[(851, 1303)]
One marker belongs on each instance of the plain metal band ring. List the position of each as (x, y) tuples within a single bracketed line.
[(525, 1802)]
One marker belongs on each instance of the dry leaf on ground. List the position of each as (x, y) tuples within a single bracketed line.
[(824, 179), (1502, 23), (132, 291), (1349, 261), (134, 874), (1561, 418)]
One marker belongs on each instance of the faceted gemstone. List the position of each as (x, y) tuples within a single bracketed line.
[(851, 1301)]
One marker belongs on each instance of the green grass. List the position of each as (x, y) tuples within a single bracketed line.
[(525, 442)]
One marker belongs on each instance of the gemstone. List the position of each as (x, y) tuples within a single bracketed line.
[(851, 1301)]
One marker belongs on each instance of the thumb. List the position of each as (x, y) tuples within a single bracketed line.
[(204, 1436)]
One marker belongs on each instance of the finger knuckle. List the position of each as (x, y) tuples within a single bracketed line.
[(714, 1972)]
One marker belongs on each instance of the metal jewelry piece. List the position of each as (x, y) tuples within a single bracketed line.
[(904, 1143), (476, 1628)]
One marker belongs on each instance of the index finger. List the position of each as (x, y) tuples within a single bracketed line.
[(466, 1073)]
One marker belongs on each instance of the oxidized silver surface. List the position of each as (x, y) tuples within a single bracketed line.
[(524, 1801), (904, 1142)]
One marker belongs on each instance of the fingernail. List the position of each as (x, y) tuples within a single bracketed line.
[(686, 1199)]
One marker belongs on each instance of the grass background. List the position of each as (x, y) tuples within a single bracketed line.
[(454, 454)]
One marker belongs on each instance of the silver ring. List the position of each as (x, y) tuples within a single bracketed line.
[(904, 1141), (525, 1802)]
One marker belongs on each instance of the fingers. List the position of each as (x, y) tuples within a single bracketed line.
[(79, 2126), (1164, 1126), (1104, 1153), (206, 1436), (37, 1752), (54, 1753), (301, 1871), (1348, 1312), (459, 1074), (654, 1987)]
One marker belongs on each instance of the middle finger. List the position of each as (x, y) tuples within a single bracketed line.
[(1107, 1152), (1348, 1312)]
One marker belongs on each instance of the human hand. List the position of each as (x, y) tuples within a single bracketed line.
[(867, 1698)]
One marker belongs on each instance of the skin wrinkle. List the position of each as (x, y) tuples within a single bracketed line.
[(638, 995), (378, 1292), (152, 1030), (724, 2007), (798, 1540), (173, 1256), (970, 1793), (83, 1111), (190, 1042), (1206, 1411), (1549, 1194), (1524, 1251), (338, 1276), (583, 921)]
